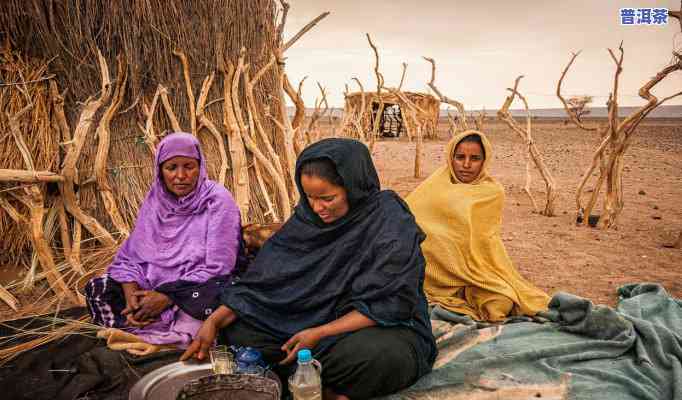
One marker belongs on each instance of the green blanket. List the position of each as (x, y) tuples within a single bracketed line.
[(582, 352)]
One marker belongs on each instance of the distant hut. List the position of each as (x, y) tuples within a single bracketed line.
[(395, 120)]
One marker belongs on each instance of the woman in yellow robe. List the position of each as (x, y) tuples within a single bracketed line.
[(459, 207)]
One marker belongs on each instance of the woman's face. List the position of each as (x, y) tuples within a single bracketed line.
[(468, 161), (329, 201), (180, 175)]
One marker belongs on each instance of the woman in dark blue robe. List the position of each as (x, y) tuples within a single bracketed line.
[(343, 277)]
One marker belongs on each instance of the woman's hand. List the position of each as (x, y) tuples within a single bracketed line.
[(309, 338), (132, 305), (132, 301), (305, 339), (150, 305), (202, 341)]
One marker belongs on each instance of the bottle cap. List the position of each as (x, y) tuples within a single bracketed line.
[(304, 355)]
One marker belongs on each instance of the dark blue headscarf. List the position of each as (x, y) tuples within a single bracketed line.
[(310, 273)]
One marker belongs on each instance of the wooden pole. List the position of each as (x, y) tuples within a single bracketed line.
[(20, 175)]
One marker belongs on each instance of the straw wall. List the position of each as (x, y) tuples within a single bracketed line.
[(63, 38)]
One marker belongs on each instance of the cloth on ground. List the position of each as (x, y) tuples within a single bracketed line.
[(467, 267), (190, 239), (587, 352), (82, 368)]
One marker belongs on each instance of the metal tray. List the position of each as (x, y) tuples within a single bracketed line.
[(166, 382)]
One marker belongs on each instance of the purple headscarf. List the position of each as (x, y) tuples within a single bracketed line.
[(192, 238)]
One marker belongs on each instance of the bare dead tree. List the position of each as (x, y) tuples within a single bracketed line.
[(616, 139), (577, 106), (532, 152), (462, 117)]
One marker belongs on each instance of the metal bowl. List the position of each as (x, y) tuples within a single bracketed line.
[(166, 382)]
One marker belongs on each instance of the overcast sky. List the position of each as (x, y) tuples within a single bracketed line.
[(480, 46)]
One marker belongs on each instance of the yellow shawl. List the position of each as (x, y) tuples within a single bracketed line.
[(467, 267)]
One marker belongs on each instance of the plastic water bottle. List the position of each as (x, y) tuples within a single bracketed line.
[(305, 383)]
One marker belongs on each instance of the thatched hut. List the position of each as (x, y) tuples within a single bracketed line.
[(395, 119), (90, 87)]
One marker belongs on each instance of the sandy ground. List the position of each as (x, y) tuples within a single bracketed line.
[(553, 252)]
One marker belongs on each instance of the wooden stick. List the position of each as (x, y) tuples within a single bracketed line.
[(596, 158), (9, 299), (278, 179), (283, 21), (533, 152), (205, 121), (259, 131), (69, 169), (402, 77), (357, 122), (169, 109), (102, 155), (41, 246), (18, 137), (188, 87), (16, 216), (316, 115), (444, 99), (303, 31), (58, 104), (235, 143), (271, 211), (66, 237), (297, 99), (274, 169), (150, 137), (236, 101), (380, 83), (19, 175), (571, 115), (77, 236), (288, 135)]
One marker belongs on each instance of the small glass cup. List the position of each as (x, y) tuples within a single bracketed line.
[(222, 360)]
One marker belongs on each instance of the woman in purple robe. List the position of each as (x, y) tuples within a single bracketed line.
[(168, 275)]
